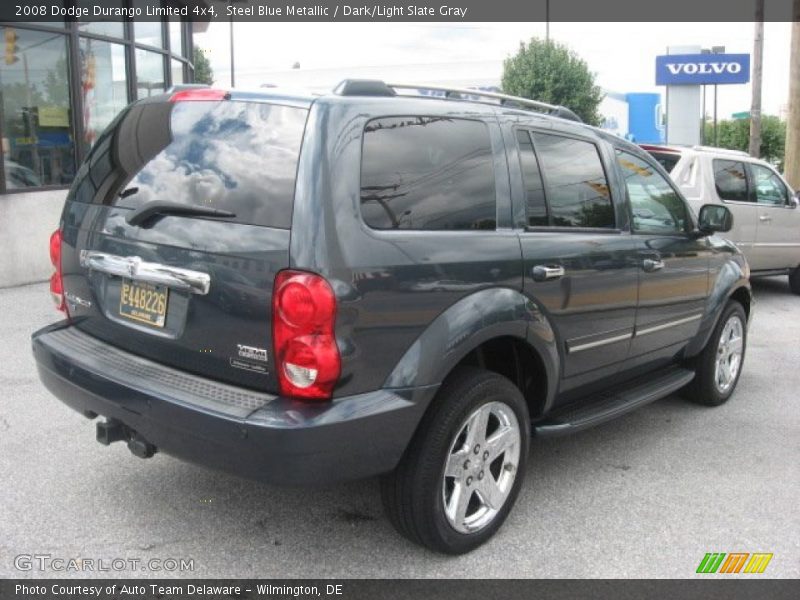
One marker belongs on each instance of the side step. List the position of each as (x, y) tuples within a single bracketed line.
[(614, 403)]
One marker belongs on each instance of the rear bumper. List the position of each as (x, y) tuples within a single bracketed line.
[(225, 427)]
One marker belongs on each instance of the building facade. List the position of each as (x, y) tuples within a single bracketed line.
[(61, 84)]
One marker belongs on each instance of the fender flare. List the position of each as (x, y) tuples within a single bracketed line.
[(465, 325), (732, 278)]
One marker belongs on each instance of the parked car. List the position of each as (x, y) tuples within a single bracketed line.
[(557, 307), (766, 218)]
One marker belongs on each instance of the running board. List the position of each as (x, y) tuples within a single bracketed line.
[(614, 403)]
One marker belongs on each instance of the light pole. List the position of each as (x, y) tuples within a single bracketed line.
[(716, 50)]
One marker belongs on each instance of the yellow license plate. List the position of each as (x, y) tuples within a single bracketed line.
[(143, 302)]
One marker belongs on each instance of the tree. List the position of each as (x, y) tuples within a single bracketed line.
[(735, 135), (203, 73), (550, 72)]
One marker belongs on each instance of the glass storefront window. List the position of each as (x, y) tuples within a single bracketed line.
[(150, 78), (147, 32), (37, 143), (101, 27), (177, 72), (175, 38), (103, 85)]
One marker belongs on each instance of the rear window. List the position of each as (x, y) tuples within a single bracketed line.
[(668, 160), (236, 156), (433, 173)]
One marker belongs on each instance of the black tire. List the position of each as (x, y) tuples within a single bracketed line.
[(704, 388), (794, 281), (414, 493)]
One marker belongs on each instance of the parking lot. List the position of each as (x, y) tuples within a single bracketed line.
[(645, 496)]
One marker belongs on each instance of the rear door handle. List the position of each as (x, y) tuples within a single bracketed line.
[(547, 272), (764, 218), (652, 264)]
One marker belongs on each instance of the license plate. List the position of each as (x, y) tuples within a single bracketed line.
[(143, 302)]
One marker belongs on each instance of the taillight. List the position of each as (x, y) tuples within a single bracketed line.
[(307, 359), (56, 279)]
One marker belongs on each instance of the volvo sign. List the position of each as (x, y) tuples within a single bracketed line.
[(702, 69)]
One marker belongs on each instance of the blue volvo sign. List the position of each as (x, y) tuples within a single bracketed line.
[(702, 69)]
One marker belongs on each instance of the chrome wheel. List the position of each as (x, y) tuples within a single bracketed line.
[(729, 354), (481, 467)]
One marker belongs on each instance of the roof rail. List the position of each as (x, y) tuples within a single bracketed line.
[(720, 150), (502, 99), (376, 87)]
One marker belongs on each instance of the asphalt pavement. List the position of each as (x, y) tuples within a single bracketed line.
[(644, 496)]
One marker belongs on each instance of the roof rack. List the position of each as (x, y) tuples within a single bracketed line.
[(720, 150), (374, 87)]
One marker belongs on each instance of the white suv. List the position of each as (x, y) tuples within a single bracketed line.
[(766, 217)]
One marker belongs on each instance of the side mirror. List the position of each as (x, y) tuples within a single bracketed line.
[(714, 218), (794, 201)]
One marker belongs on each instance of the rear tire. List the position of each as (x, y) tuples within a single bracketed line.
[(794, 281), (719, 365), (463, 469)]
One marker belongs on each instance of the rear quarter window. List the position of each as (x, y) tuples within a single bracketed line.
[(427, 173), (730, 180)]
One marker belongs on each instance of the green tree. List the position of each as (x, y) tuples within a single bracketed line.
[(734, 134), (550, 72), (203, 73)]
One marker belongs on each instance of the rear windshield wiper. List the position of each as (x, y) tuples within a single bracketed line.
[(146, 212)]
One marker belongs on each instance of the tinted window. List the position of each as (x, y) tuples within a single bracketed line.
[(769, 187), (534, 190), (236, 156), (427, 173), (654, 204), (576, 186), (730, 180), (667, 160)]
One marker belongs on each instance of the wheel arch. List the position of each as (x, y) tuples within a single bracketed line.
[(499, 329)]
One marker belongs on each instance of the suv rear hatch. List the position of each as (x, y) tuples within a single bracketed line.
[(176, 225)]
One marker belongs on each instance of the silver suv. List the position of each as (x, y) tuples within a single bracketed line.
[(766, 218)]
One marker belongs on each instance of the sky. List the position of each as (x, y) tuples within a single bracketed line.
[(622, 55)]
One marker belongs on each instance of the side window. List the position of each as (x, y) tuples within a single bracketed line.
[(534, 190), (768, 186), (575, 182), (655, 206), (730, 180), (433, 173)]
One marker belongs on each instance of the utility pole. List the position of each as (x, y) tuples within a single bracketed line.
[(758, 64), (792, 156)]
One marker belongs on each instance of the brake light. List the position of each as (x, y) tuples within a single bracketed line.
[(56, 279), (303, 316), (199, 95)]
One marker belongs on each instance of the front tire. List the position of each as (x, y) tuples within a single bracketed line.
[(462, 472), (719, 365)]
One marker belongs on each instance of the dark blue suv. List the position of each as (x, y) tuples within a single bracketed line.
[(304, 289)]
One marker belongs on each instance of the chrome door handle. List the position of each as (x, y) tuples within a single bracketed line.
[(546, 273), (763, 218), (133, 267), (652, 264)]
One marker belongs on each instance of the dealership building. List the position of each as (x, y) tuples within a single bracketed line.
[(61, 83)]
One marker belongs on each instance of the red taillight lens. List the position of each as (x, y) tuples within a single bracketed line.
[(199, 95), (307, 359), (56, 279)]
